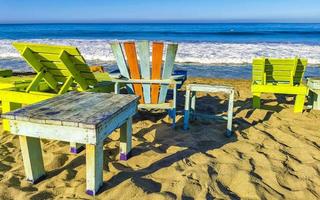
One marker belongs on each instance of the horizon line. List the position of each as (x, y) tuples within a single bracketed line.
[(157, 21), (160, 22)]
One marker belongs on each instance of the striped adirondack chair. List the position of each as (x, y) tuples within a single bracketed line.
[(148, 79), (59, 69), (279, 76)]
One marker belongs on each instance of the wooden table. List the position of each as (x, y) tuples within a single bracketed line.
[(85, 118), (190, 108)]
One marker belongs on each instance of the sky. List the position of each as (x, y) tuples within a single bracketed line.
[(95, 11)]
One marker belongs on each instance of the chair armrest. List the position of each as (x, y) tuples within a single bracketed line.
[(177, 77)]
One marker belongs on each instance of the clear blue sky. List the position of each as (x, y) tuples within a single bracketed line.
[(24, 11)]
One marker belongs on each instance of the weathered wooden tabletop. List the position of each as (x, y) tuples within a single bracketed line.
[(75, 109)]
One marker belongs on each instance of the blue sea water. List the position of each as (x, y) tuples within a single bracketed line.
[(253, 33), (208, 47)]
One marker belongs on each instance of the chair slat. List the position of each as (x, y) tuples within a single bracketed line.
[(57, 69), (274, 61), (44, 48), (157, 51), (279, 70), (65, 59), (66, 73), (144, 56), (29, 57), (55, 58), (130, 50), (121, 62), (60, 66), (167, 69)]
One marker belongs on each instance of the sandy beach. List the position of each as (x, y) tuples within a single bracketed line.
[(274, 154)]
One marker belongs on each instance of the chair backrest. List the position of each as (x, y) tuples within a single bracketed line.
[(133, 59), (278, 71), (59, 66)]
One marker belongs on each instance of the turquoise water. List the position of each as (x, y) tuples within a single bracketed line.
[(210, 50), (253, 32)]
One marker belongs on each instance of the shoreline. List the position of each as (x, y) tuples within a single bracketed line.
[(204, 71)]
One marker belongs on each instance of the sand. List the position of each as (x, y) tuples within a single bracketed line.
[(274, 154)]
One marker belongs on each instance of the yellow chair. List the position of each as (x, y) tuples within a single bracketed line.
[(279, 76), (59, 69)]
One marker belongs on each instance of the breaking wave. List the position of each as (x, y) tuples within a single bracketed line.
[(188, 52)]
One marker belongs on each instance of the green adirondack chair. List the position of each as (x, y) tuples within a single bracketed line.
[(279, 76), (59, 69), (147, 79)]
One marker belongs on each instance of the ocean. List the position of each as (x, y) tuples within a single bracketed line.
[(205, 50)]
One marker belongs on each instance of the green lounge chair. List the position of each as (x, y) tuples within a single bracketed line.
[(59, 69), (147, 79), (279, 76)]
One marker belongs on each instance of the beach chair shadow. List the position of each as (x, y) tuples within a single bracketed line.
[(242, 123)]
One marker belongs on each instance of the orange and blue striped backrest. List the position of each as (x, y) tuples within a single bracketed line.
[(133, 60)]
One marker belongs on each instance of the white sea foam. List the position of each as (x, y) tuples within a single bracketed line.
[(203, 53)]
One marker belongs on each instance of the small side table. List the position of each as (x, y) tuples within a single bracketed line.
[(190, 108), (83, 118), (314, 92)]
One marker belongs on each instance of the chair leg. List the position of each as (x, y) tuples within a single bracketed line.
[(310, 99), (299, 103), (7, 107), (315, 100), (230, 114), (256, 100), (172, 116)]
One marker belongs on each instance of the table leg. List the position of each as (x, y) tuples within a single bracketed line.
[(125, 139), (7, 107), (186, 110), (94, 167), (76, 147), (32, 158), (230, 114), (193, 105)]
